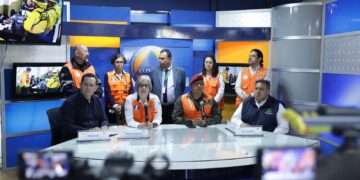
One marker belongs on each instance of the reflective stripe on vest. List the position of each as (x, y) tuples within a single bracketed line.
[(119, 87), (190, 112), (211, 89), (76, 74), (139, 111)]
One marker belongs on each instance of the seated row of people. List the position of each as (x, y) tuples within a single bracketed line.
[(83, 110)]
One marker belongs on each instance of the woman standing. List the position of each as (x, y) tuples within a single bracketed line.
[(117, 85), (214, 83)]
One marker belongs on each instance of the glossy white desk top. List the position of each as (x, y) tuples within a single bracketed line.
[(199, 148)]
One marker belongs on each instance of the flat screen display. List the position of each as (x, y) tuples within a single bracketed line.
[(288, 163), (30, 21), (37, 80), (43, 165), (229, 73)]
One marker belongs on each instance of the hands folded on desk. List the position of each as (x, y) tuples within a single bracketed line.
[(195, 122), (147, 125), (103, 128)]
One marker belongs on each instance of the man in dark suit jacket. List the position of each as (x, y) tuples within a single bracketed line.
[(168, 83)]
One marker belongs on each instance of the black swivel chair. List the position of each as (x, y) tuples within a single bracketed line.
[(54, 116)]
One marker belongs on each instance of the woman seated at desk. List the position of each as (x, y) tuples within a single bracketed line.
[(143, 109)]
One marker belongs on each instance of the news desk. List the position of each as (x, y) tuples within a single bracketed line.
[(196, 148)]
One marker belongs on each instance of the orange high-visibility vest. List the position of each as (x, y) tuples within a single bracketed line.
[(139, 111), (211, 89), (119, 87), (190, 112), (76, 74), (248, 81)]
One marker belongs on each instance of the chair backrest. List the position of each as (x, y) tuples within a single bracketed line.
[(54, 116)]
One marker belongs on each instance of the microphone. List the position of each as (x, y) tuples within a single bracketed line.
[(203, 121), (146, 112)]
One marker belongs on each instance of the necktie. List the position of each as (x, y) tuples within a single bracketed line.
[(165, 85)]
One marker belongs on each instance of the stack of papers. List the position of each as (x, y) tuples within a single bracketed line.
[(244, 131)]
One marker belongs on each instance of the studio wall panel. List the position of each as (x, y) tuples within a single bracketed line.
[(302, 53), (295, 87)]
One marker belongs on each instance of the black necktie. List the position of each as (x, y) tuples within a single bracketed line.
[(165, 85)]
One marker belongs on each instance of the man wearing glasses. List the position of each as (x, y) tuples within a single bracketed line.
[(245, 83), (83, 110), (143, 109), (195, 108)]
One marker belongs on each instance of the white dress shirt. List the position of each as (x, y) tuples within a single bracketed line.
[(282, 124), (238, 88), (129, 115), (170, 86), (220, 92)]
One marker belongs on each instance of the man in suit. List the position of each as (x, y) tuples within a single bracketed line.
[(168, 83)]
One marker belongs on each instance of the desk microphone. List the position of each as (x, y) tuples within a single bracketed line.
[(203, 121)]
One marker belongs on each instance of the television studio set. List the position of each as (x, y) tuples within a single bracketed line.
[(160, 89)]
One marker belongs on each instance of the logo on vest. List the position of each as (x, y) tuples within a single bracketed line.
[(246, 77), (136, 107), (269, 112)]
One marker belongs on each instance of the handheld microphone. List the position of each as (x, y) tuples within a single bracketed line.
[(146, 112), (203, 121)]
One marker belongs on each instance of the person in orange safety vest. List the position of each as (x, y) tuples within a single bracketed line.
[(214, 83), (117, 86), (196, 108), (245, 82), (143, 109), (72, 72)]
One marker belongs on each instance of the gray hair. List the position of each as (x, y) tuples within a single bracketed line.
[(141, 78)]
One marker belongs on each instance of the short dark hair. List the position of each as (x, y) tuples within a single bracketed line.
[(215, 67), (89, 75), (167, 52), (263, 81), (259, 55), (116, 56)]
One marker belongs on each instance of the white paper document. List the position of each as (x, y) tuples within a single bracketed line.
[(93, 136), (244, 131)]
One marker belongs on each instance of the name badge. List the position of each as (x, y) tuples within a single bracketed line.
[(163, 90)]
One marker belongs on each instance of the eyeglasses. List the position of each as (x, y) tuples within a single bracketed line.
[(252, 56), (144, 85)]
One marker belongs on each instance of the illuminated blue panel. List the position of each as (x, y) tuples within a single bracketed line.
[(192, 18), (341, 90), (15, 145), (149, 18), (64, 13), (203, 44), (22, 117), (342, 16), (100, 13)]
